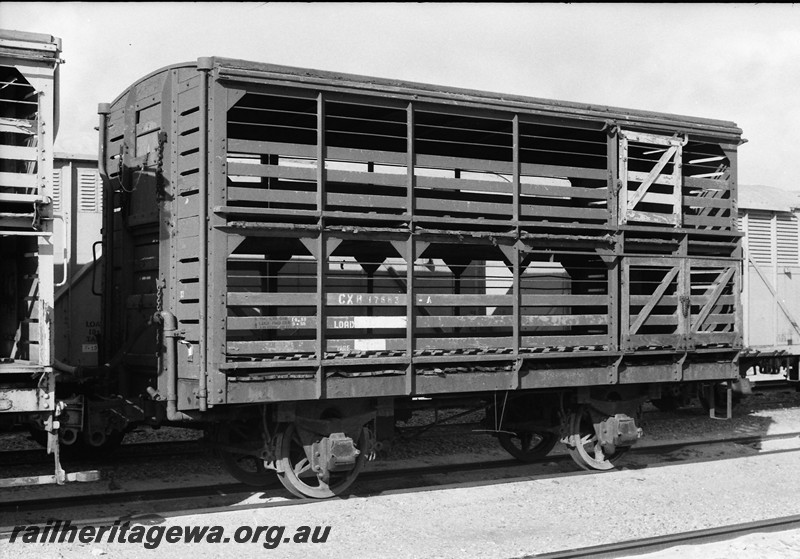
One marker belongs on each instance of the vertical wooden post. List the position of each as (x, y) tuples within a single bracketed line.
[(517, 269), (620, 184), (322, 249), (411, 253), (684, 291)]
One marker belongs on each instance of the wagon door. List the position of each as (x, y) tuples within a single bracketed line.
[(714, 300), (650, 179), (680, 303), (654, 303)]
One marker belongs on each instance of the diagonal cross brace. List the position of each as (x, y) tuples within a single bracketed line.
[(714, 292), (651, 177), (654, 299)]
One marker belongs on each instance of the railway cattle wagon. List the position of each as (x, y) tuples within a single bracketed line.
[(294, 258), (29, 65)]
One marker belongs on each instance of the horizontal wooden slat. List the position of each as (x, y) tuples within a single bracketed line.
[(26, 198), (507, 321), (554, 191), (565, 320), (189, 122), (189, 162), (18, 126), (381, 179), (563, 300), (370, 201), (273, 148), (274, 171), (18, 152), (18, 180), (563, 341), (707, 184), (439, 162), (271, 299), (706, 202), (716, 319), (654, 198), (715, 337), (698, 220), (247, 194), (534, 170), (463, 321), (635, 176), (668, 340), (652, 217), (256, 299), (564, 212), (463, 343), (672, 300), (233, 210), (188, 99), (262, 347), (658, 320), (646, 138), (450, 207), (188, 142), (372, 156), (449, 183), (299, 322)]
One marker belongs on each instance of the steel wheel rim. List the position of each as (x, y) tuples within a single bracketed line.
[(528, 446), (295, 468), (584, 446), (245, 468)]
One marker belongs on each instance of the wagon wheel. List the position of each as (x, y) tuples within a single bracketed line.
[(297, 475), (583, 445), (528, 446), (246, 468)]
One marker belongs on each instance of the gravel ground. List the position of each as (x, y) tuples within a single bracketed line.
[(517, 518)]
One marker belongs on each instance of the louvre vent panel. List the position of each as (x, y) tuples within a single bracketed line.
[(759, 237), (88, 191), (57, 191), (787, 239)]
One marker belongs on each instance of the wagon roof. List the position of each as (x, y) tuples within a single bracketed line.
[(760, 197), (414, 90), (22, 44), (232, 69)]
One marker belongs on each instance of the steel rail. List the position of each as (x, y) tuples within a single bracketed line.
[(659, 543)]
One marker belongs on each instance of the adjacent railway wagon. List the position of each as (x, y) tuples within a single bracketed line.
[(294, 258), (768, 217), (29, 65)]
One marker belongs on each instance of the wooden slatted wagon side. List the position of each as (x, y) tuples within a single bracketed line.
[(316, 252)]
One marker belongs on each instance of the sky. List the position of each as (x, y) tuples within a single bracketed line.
[(733, 62)]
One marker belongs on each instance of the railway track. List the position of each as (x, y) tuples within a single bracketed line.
[(184, 499), (128, 452), (659, 543)]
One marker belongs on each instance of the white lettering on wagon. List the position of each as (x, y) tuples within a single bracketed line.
[(341, 323), (345, 299), (369, 345)]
